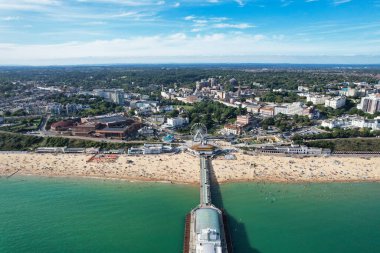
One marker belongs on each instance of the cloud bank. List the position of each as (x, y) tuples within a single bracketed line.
[(177, 48)]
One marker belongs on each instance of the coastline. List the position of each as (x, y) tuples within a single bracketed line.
[(121, 179), (158, 181), (183, 168)]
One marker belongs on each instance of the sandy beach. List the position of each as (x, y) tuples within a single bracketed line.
[(184, 168)]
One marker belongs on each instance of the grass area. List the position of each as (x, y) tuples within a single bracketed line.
[(23, 126), (187, 107), (19, 142), (349, 144)]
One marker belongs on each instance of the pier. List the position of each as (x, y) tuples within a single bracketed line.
[(206, 228)]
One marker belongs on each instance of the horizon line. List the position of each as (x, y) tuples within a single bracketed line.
[(187, 63)]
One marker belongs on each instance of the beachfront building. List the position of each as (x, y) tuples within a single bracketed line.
[(135, 151), (50, 150), (293, 150), (150, 149), (66, 150)]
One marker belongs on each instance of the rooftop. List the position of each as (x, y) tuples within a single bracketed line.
[(111, 119), (113, 129), (206, 218)]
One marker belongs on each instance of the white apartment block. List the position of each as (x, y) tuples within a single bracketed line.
[(177, 122), (280, 109), (166, 95), (296, 108), (255, 109), (232, 129), (370, 104), (243, 120), (303, 88), (292, 109), (317, 99), (112, 95), (349, 92), (352, 122), (336, 102)]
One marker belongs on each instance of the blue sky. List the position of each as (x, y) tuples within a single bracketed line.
[(46, 32)]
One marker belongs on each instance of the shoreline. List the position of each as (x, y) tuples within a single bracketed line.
[(148, 180), (131, 180), (183, 168)]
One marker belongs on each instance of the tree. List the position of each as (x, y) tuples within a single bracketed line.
[(132, 112), (173, 114), (309, 103)]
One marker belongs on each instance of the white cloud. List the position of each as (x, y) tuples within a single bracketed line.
[(240, 2), (339, 2), (127, 2), (10, 18), (235, 26), (96, 23), (177, 37), (134, 15), (179, 46), (175, 45), (219, 19), (205, 19), (214, 22), (177, 4), (33, 5), (195, 30), (200, 22), (286, 3), (189, 17)]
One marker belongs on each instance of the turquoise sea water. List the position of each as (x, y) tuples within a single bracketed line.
[(294, 218), (63, 215), (68, 215)]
